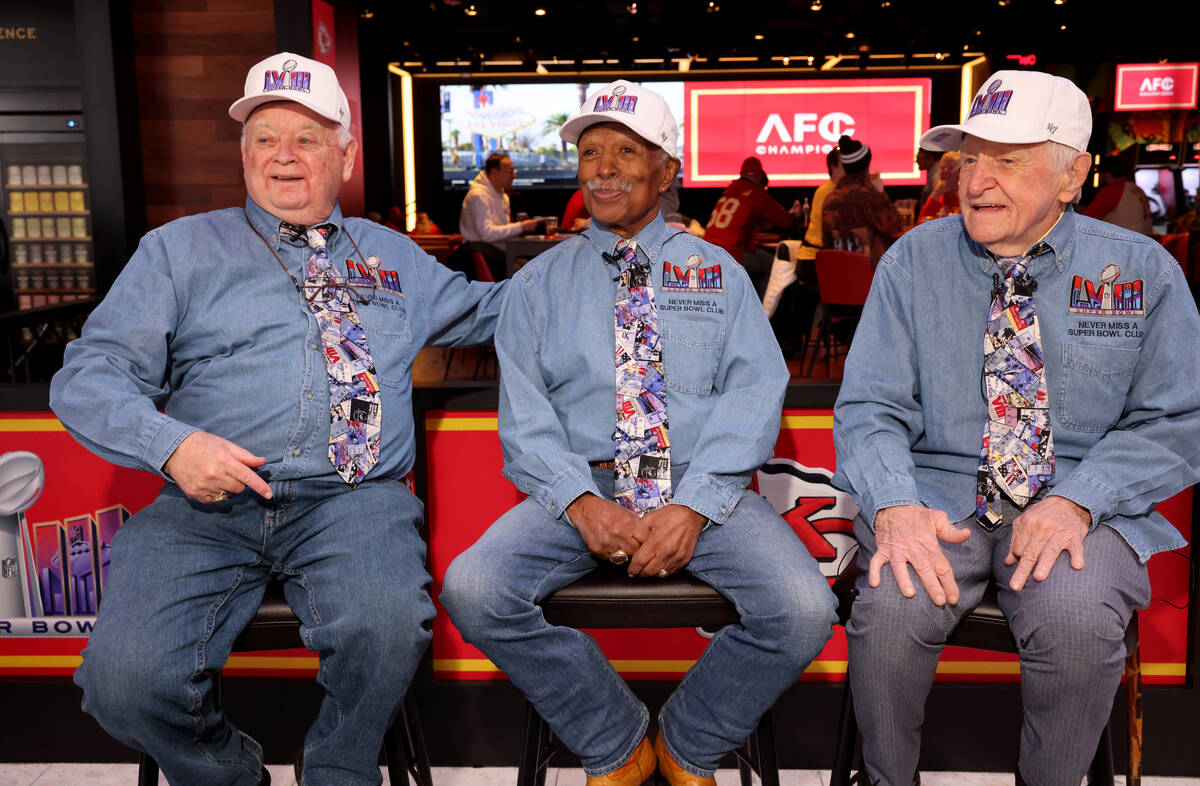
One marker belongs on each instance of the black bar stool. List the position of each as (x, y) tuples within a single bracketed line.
[(608, 598), (275, 627), (986, 628)]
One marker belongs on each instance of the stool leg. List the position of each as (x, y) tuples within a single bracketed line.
[(536, 750), (846, 738), (147, 770), (404, 747), (1133, 698), (768, 764)]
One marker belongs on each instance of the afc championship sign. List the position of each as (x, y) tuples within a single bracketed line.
[(791, 125), (1156, 86)]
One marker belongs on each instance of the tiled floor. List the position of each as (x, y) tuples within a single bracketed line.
[(281, 775)]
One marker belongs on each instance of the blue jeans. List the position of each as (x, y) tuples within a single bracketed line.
[(493, 589), (186, 578), (1070, 630)]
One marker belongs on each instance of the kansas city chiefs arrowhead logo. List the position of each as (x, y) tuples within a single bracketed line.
[(821, 515)]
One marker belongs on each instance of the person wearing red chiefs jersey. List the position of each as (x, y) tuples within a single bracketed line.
[(742, 210)]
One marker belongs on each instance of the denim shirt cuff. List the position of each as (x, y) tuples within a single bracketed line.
[(564, 490), (165, 434), (713, 500), (896, 490), (1089, 494)]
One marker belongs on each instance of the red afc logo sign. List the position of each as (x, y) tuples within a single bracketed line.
[(1156, 86)]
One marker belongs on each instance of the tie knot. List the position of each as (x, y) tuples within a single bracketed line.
[(628, 250), (1013, 266), (313, 237)]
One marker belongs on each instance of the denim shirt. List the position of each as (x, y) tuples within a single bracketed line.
[(205, 324), (1123, 388), (725, 375)]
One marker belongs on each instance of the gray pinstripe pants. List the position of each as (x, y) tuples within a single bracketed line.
[(1070, 630)]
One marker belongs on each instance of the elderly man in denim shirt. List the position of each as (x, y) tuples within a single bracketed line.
[(233, 324), (716, 388), (1045, 484)]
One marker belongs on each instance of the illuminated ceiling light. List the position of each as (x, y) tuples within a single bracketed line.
[(758, 36), (850, 34), (966, 47), (810, 59), (631, 8), (539, 12), (787, 60), (940, 55), (635, 39), (1003, 2), (816, 5), (470, 10), (886, 4), (367, 13), (1062, 27), (712, 7)]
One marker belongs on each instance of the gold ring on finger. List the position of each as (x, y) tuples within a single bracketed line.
[(618, 557), (221, 496), (662, 574)]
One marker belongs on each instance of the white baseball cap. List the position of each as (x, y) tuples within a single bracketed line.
[(633, 106), (291, 77), (1021, 107)]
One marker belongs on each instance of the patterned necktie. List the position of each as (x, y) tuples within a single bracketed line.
[(1017, 457), (642, 447), (354, 400)]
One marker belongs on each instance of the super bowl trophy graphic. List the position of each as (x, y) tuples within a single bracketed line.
[(21, 481)]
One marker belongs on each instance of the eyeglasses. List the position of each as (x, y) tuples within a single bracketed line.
[(333, 294)]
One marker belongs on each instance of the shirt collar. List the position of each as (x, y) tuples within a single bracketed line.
[(268, 224), (650, 239), (1056, 245)]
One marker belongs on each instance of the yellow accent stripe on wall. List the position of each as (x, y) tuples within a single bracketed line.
[(31, 424), (301, 663), (40, 661), (807, 421), (451, 423), (461, 424)]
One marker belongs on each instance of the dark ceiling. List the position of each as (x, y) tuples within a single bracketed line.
[(432, 31)]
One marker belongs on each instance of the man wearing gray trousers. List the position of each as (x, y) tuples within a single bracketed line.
[(1023, 389)]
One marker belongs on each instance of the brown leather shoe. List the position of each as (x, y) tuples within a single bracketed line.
[(676, 775), (635, 772)]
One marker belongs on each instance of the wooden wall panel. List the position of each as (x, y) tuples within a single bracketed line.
[(191, 58)]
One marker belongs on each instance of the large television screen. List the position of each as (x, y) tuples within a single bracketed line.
[(788, 124), (521, 120)]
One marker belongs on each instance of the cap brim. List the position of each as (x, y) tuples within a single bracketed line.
[(240, 110), (949, 137)]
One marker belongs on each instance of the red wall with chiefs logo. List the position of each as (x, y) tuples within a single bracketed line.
[(796, 482), (791, 125)]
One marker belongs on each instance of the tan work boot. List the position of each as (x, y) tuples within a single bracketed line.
[(635, 772), (676, 775)]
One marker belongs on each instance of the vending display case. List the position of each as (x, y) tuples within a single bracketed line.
[(47, 210)]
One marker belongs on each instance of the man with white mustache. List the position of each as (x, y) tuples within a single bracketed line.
[(657, 495), (1034, 376)]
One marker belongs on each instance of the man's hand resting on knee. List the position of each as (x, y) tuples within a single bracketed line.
[(908, 535)]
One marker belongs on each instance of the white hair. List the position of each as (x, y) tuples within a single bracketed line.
[(1061, 156)]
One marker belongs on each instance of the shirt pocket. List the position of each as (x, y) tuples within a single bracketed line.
[(389, 338), (1095, 383), (691, 351)]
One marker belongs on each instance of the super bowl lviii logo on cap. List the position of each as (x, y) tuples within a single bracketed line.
[(287, 79), (992, 101), (618, 102)]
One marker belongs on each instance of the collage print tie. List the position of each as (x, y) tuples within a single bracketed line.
[(354, 398), (641, 444), (1017, 457)]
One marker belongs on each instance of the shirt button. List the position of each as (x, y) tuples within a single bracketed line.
[(295, 452), (315, 346), (308, 395), (724, 512)]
